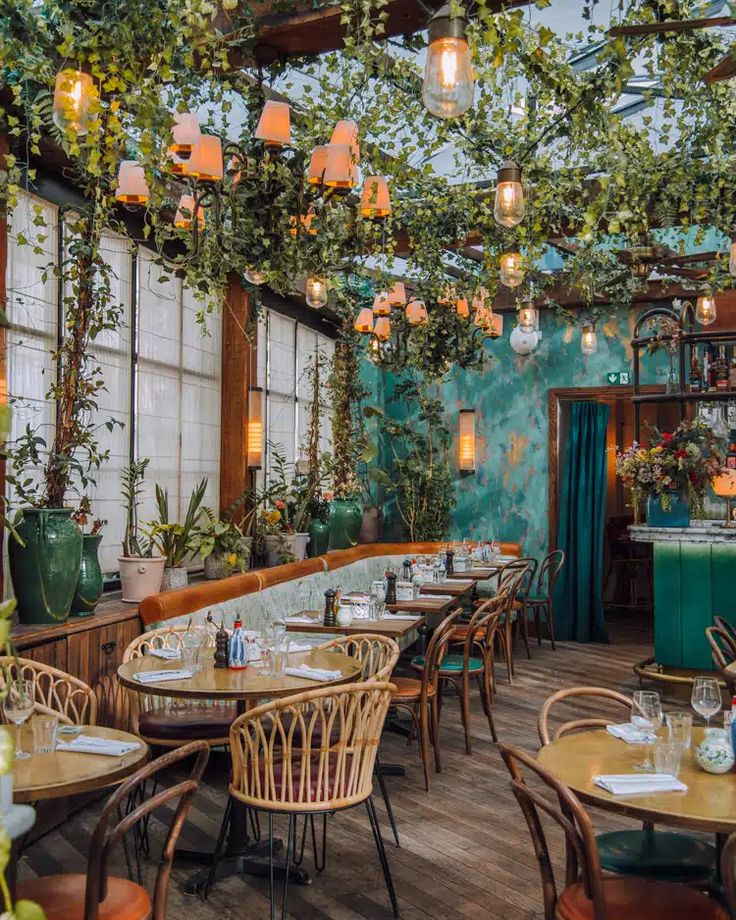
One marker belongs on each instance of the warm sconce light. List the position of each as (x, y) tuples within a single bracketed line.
[(382, 329), (588, 340), (449, 84), (511, 270), (381, 305), (508, 208), (317, 163), (724, 485), (375, 200), (205, 163), (340, 169), (185, 133), (74, 93), (274, 125), (254, 434), (185, 213), (132, 187), (528, 318), (364, 322), (705, 310), (416, 313), (316, 292), (397, 295), (254, 276), (462, 308), (466, 441)]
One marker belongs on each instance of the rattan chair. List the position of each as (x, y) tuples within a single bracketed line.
[(587, 894), (165, 721), (307, 755), (55, 692), (538, 599), (662, 855), (97, 895)]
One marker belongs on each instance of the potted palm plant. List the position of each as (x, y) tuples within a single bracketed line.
[(174, 540), (140, 571)]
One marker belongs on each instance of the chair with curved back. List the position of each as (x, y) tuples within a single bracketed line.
[(97, 895), (722, 623), (587, 894), (663, 855), (159, 722), (539, 598), (279, 770), (723, 653), (511, 578), (55, 692)]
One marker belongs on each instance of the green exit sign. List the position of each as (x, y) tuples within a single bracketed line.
[(618, 378)]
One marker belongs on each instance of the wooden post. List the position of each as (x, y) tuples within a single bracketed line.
[(239, 368)]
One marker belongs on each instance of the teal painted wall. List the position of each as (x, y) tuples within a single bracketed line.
[(507, 496)]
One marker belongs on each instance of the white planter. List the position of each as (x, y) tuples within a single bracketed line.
[(174, 577), (297, 544), (140, 576), (275, 548)]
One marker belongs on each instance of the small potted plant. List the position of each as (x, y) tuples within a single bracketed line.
[(173, 540), (140, 571), (222, 545), (89, 585)]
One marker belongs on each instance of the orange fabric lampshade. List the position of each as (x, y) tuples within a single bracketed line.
[(397, 294), (416, 313), (274, 125), (205, 163), (724, 485), (382, 328), (381, 304), (375, 200), (462, 308), (317, 163), (364, 322), (340, 168), (132, 187), (346, 132), (185, 132), (185, 213)]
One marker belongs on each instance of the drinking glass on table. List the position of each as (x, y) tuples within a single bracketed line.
[(679, 728), (706, 698), (646, 715), (191, 646), (18, 706), (279, 656), (44, 733), (667, 756)]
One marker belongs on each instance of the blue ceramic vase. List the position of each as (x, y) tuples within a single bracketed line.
[(677, 516)]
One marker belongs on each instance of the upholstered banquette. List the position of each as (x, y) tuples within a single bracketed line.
[(283, 588)]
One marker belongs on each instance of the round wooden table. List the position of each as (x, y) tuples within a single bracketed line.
[(708, 805), (62, 773)]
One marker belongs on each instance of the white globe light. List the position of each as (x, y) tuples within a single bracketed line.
[(522, 342)]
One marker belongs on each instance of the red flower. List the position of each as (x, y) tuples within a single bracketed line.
[(666, 437), (680, 453), (279, 504)]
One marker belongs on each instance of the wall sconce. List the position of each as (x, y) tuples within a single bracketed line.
[(466, 441), (724, 485), (254, 433)]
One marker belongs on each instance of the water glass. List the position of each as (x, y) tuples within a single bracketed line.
[(18, 706), (706, 697), (646, 715), (44, 733), (679, 728), (279, 657), (668, 757)]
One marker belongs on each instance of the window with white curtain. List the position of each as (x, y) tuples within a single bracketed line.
[(162, 373)]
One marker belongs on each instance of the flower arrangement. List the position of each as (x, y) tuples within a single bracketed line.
[(684, 460)]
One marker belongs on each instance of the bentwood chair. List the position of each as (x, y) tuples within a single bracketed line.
[(55, 692), (165, 722), (538, 598), (587, 894), (511, 578), (727, 627), (281, 771), (97, 895), (647, 853), (723, 653)]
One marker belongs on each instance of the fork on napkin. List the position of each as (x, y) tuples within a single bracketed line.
[(155, 677), (313, 673), (639, 784), (88, 744), (631, 734)]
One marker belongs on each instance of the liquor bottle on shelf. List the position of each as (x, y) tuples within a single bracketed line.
[(721, 369), (709, 370), (732, 371), (696, 377), (731, 455)]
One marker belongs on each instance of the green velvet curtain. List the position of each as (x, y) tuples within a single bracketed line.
[(578, 601)]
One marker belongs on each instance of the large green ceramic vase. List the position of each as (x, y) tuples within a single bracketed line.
[(319, 538), (89, 585), (46, 569), (346, 516)]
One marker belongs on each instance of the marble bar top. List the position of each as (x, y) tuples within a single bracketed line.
[(699, 532)]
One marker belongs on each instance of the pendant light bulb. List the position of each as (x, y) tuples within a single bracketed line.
[(449, 83), (528, 317), (511, 270), (73, 96), (588, 340), (316, 292), (253, 276), (705, 310), (508, 208)]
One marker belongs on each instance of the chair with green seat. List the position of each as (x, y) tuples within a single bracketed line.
[(538, 599), (458, 670), (511, 579), (646, 853)]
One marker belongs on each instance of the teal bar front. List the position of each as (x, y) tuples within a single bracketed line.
[(694, 579)]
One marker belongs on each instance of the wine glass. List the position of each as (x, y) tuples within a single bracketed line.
[(18, 706), (646, 715), (706, 698)]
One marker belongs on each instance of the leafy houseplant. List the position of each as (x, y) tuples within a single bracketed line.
[(174, 540), (89, 584), (223, 546), (140, 571)]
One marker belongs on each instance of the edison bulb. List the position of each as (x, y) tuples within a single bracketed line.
[(511, 269), (73, 96), (527, 319), (449, 85), (705, 310), (316, 292), (254, 276), (588, 340), (509, 208)]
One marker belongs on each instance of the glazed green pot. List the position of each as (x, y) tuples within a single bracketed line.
[(346, 517), (46, 569), (89, 586), (319, 538)]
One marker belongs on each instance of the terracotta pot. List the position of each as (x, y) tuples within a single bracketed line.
[(175, 576), (140, 576), (371, 526)]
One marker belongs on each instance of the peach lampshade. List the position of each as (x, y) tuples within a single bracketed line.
[(185, 213), (382, 328), (397, 294), (340, 168), (274, 125), (724, 485), (132, 187), (375, 200), (346, 132), (416, 313), (381, 304), (364, 322), (462, 308), (206, 162), (317, 163), (185, 132)]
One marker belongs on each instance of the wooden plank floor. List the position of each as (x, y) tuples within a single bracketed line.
[(465, 852)]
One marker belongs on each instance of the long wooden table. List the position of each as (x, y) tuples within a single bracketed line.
[(403, 631), (455, 588)]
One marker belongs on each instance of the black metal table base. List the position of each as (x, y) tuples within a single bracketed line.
[(250, 860)]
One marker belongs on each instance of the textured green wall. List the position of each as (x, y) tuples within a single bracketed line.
[(507, 496)]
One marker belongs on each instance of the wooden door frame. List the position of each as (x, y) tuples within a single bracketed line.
[(556, 397)]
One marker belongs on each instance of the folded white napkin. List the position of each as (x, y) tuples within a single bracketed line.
[(300, 647), (441, 597), (455, 582), (169, 654), (401, 616), (639, 783), (298, 619), (313, 673), (155, 677), (631, 734), (88, 744)]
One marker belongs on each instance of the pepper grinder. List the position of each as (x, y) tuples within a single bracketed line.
[(329, 615), (390, 587), (449, 556), (221, 643)]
